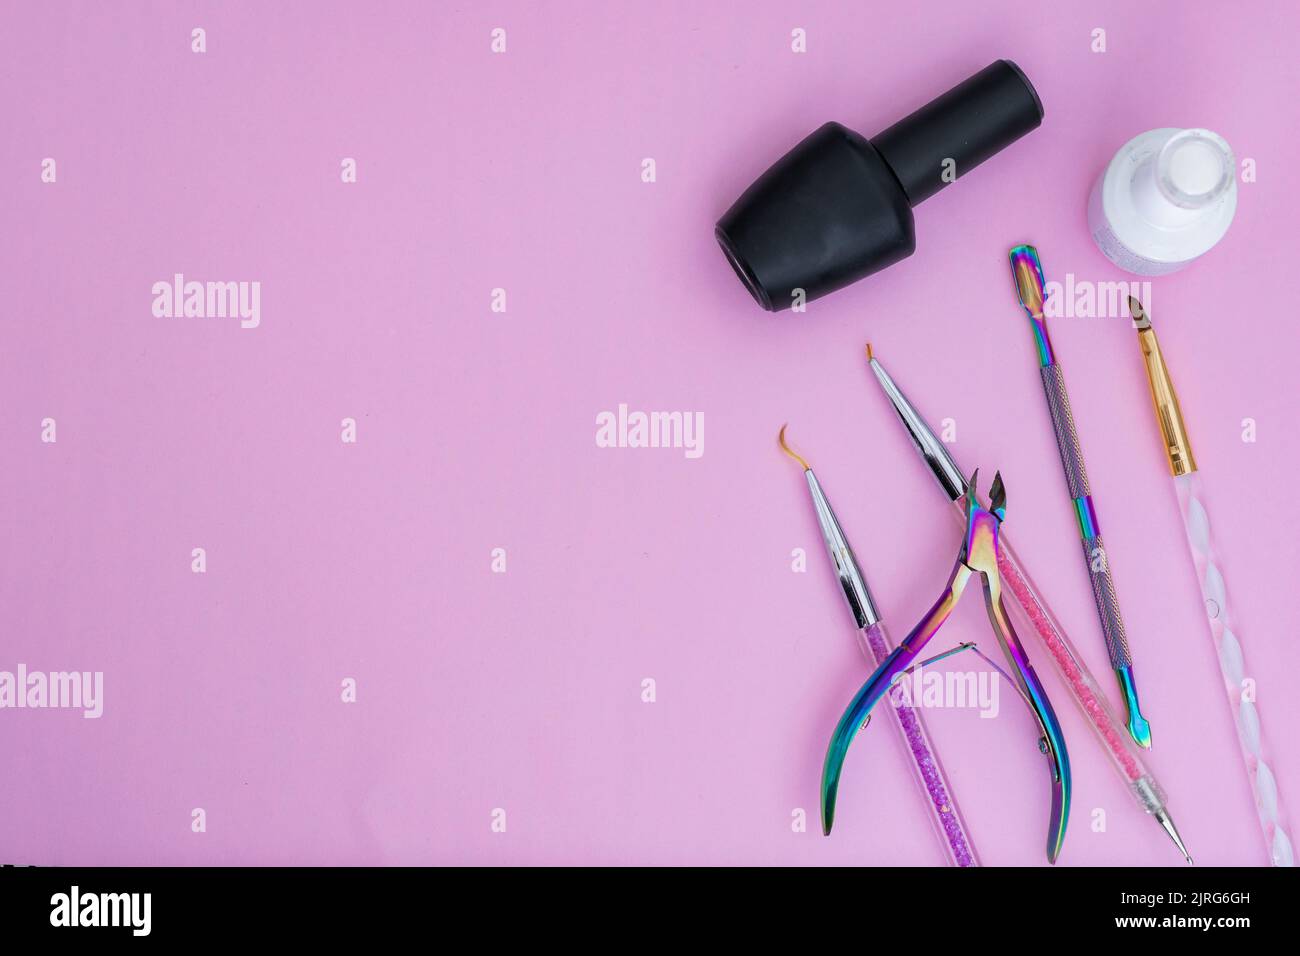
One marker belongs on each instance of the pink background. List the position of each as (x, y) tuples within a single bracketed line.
[(476, 430)]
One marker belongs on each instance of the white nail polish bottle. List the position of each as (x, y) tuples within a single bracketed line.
[(1166, 198)]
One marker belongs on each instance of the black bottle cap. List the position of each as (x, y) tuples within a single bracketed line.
[(837, 207), (955, 132)]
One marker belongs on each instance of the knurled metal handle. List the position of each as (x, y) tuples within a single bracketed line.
[(1067, 439), (1103, 592)]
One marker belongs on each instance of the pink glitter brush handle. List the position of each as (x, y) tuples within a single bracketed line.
[(1096, 708), (926, 768), (1237, 685), (1033, 614)]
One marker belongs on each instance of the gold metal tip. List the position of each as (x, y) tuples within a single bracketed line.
[(1140, 318), (870, 356), (1169, 414), (789, 451)]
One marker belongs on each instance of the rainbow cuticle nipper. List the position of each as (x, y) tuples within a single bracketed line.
[(1027, 270), (978, 556)]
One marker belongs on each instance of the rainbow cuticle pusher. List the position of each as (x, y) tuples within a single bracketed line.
[(1030, 287)]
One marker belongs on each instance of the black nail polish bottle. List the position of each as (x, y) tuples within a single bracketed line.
[(838, 206)]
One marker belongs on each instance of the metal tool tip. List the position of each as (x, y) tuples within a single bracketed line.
[(1028, 273), (998, 496), (1139, 728), (870, 356), (1140, 318), (788, 450), (1167, 822)]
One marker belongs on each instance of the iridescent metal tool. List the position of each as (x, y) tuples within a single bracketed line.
[(1030, 287), (978, 556)]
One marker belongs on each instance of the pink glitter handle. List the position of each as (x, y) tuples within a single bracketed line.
[(1033, 614), (926, 768), (1083, 686)]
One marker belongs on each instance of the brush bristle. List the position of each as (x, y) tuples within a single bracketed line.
[(1140, 318), (780, 438)]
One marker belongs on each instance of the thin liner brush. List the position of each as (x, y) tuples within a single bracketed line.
[(874, 641)]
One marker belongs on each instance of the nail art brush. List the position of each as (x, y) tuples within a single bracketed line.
[(1182, 465)]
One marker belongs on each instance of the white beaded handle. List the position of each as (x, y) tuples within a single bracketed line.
[(1272, 814)]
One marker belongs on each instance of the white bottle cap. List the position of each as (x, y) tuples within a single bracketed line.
[(1194, 168)]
